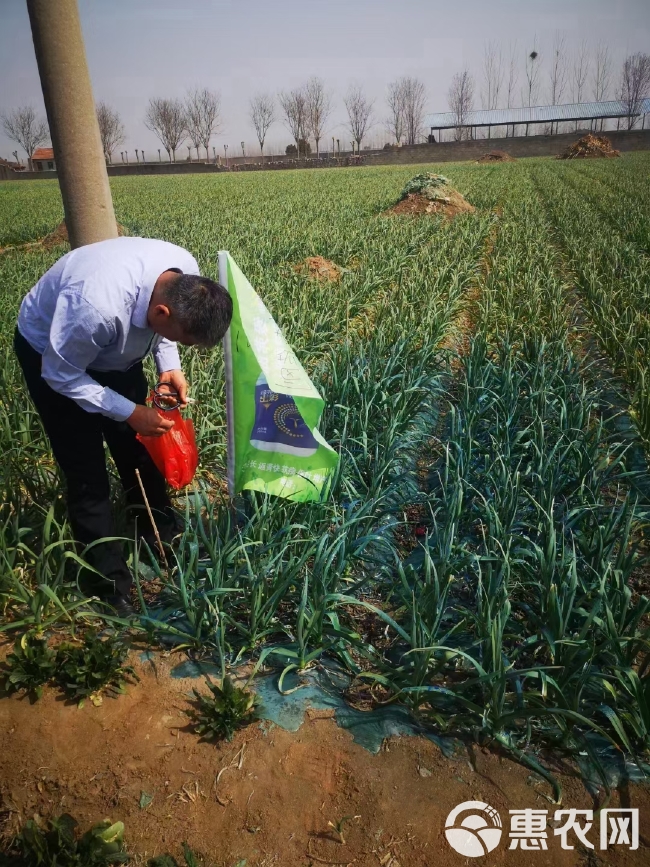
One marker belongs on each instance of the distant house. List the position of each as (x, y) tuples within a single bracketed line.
[(43, 160)]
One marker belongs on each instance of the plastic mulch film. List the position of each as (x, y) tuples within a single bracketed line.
[(322, 689)]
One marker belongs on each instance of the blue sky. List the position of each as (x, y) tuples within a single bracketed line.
[(138, 49)]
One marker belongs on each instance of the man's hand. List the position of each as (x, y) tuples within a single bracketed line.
[(146, 421), (176, 379)]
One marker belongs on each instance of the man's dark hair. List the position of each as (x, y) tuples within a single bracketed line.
[(202, 307)]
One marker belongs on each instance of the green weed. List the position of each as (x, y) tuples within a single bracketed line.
[(226, 709), (93, 666), (30, 665), (55, 843)]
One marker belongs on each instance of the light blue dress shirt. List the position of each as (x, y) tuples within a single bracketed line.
[(89, 312)]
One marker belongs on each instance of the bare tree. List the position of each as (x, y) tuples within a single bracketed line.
[(512, 79), (635, 85), (415, 95), (319, 108), (406, 102), (111, 129), (461, 99), (294, 106), (395, 121), (359, 109), (166, 118), (26, 129), (580, 73), (513, 76), (493, 75), (532, 78), (602, 74), (203, 117), (558, 73), (262, 115)]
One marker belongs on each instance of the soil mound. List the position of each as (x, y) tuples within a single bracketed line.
[(496, 157), (431, 194), (319, 268), (57, 236), (589, 147)]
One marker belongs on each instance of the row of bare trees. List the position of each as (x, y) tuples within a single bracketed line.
[(197, 118), (306, 110), (585, 73), (406, 103), (586, 76), (24, 127)]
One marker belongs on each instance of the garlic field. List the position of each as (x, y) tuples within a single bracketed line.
[(481, 557)]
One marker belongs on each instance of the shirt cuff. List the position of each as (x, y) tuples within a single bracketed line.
[(117, 407), (167, 357)]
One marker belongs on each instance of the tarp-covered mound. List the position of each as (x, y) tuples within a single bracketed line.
[(431, 194), (496, 157), (588, 147)]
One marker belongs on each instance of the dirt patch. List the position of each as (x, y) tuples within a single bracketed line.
[(416, 205), (60, 235), (53, 239), (496, 157), (463, 327), (318, 268), (589, 147), (281, 793)]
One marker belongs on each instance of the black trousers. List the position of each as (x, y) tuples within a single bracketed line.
[(77, 440)]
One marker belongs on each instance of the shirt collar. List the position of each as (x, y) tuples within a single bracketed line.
[(145, 291)]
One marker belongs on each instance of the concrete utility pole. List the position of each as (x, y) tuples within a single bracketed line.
[(70, 107)]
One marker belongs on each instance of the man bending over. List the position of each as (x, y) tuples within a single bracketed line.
[(83, 331)]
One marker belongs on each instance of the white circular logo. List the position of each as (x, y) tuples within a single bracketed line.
[(477, 833)]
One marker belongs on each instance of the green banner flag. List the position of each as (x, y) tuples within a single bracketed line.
[(273, 407)]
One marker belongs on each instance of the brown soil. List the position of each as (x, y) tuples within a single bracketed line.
[(273, 804), (416, 205), (496, 157), (319, 268), (589, 147), (53, 239)]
